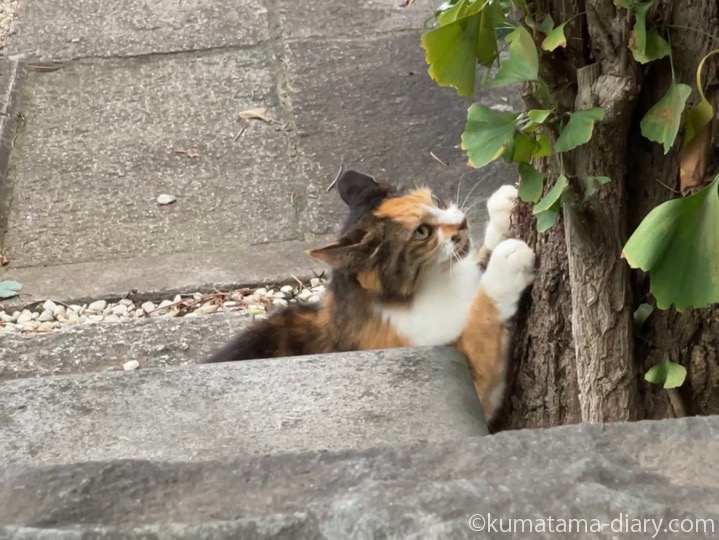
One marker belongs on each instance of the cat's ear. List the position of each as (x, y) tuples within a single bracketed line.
[(355, 186), (347, 253)]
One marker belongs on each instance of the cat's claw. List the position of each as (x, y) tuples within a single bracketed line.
[(500, 206), (509, 272)]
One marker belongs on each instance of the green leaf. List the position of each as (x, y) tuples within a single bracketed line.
[(551, 199), (661, 123), (667, 374), (638, 36), (626, 4), (546, 219), (544, 147), (8, 289), (465, 37), (530, 187), (546, 25), (538, 116), (524, 147), (656, 47), (487, 134), (578, 130), (448, 16), (678, 245), (522, 64), (555, 38), (592, 184), (641, 315)]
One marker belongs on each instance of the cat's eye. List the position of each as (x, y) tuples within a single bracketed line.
[(422, 232)]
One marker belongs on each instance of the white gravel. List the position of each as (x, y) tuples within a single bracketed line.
[(51, 315)]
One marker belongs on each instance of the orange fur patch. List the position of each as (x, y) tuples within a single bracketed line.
[(369, 280), (409, 210), (484, 342)]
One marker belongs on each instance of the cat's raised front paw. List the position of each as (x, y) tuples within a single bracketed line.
[(509, 272), (500, 206)]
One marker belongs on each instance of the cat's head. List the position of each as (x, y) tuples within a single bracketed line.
[(392, 239)]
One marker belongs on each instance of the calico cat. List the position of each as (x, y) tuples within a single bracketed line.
[(404, 274)]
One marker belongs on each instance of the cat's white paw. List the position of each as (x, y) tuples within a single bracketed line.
[(509, 272), (500, 206)]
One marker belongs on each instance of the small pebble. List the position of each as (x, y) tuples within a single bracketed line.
[(74, 307), (261, 292), (280, 295), (288, 289), (229, 304), (313, 299), (148, 306), (304, 295), (45, 316), (29, 326), (4, 317), (94, 318), (107, 311), (119, 309), (34, 315), (25, 316), (97, 306), (164, 304), (112, 318), (177, 299), (166, 199), (49, 305), (207, 309), (59, 311), (131, 365), (47, 326), (127, 302), (315, 282), (279, 302)]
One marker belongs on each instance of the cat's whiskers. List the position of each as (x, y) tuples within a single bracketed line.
[(459, 187), (466, 198)]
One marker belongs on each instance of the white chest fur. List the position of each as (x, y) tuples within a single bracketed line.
[(439, 311)]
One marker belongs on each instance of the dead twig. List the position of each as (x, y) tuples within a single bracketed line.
[(444, 163)]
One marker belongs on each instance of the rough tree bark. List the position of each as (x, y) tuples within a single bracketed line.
[(575, 356)]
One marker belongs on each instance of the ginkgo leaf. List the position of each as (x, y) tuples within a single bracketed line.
[(656, 47), (538, 116), (523, 148), (522, 64), (555, 38), (487, 134), (8, 288), (697, 138), (546, 220), (678, 245), (641, 315), (531, 184), (661, 123), (667, 374), (578, 130), (544, 146), (593, 183), (546, 25), (638, 36), (453, 49), (553, 196)]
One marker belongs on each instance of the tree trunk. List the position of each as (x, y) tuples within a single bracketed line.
[(575, 355)]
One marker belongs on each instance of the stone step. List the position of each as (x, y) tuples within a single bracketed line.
[(152, 342), (224, 411), (603, 477)]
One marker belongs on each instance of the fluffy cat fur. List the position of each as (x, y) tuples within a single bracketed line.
[(404, 274)]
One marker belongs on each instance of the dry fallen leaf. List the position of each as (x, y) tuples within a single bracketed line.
[(4, 260), (258, 113), (694, 156)]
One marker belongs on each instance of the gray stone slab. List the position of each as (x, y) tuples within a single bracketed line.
[(155, 342), (64, 29), (101, 142), (156, 276), (330, 402), (355, 18), (606, 475), (370, 105)]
